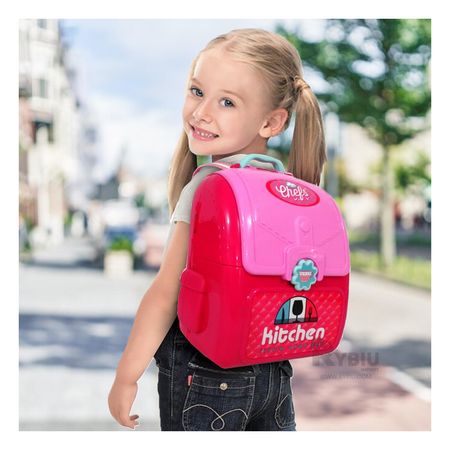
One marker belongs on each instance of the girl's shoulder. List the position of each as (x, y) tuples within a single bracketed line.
[(235, 159), (183, 207)]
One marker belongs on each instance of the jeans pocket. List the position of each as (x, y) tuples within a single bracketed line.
[(284, 412), (218, 401)]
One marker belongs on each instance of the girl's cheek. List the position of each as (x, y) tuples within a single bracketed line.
[(187, 109), (187, 101), (189, 105)]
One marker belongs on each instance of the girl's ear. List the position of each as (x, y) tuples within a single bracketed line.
[(274, 123)]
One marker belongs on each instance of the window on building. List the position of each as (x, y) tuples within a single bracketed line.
[(50, 130), (42, 23), (43, 88)]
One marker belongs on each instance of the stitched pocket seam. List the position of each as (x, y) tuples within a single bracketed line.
[(282, 397), (246, 411)]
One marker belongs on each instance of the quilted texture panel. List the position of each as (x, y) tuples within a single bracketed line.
[(294, 326)]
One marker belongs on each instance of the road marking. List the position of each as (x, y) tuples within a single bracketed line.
[(408, 383), (402, 379)]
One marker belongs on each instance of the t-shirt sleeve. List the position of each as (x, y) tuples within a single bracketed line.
[(182, 211)]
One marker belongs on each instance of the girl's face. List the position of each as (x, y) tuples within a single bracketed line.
[(225, 108)]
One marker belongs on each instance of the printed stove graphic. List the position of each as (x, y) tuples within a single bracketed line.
[(296, 310)]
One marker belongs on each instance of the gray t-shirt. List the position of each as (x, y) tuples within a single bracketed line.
[(182, 212)]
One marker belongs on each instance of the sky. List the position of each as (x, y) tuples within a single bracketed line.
[(131, 75)]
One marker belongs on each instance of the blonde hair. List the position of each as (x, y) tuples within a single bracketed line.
[(279, 64)]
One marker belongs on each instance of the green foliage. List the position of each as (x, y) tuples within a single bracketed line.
[(371, 239), (139, 200), (27, 246), (121, 243), (413, 175), (29, 224), (415, 272), (68, 218), (375, 72)]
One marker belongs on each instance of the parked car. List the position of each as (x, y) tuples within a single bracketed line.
[(120, 221)]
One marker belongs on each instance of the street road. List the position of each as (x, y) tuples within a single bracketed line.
[(74, 323)]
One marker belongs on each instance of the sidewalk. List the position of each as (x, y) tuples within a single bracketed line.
[(380, 377), (354, 399), (74, 323)]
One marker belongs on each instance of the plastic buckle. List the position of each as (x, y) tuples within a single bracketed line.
[(304, 274)]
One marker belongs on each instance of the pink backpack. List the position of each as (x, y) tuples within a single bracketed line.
[(268, 267)]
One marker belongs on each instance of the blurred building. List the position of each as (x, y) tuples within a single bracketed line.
[(50, 129), (27, 193)]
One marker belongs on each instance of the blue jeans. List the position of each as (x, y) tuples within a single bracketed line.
[(197, 395)]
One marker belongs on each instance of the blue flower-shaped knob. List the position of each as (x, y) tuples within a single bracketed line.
[(304, 275)]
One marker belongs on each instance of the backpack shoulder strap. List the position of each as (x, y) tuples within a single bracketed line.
[(219, 165), (277, 165)]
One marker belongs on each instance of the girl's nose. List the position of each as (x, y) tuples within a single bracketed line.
[(202, 112)]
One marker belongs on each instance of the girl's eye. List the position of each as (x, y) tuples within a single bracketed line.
[(195, 91), (230, 103)]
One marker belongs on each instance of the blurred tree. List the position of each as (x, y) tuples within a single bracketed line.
[(346, 184), (139, 200), (375, 74), (415, 176)]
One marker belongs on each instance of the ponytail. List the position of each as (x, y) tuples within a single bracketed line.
[(183, 163), (307, 155), (182, 166)]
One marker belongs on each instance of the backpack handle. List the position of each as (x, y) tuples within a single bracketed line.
[(278, 165)]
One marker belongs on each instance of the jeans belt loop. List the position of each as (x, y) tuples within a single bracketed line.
[(256, 369)]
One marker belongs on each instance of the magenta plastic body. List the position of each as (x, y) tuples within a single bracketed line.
[(237, 304)]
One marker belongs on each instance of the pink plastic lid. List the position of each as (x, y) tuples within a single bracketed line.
[(283, 220)]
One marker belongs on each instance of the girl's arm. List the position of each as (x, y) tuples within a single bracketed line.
[(157, 310), (155, 315)]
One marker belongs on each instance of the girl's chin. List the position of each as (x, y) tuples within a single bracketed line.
[(200, 150)]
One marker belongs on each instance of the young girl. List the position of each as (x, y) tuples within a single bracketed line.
[(242, 89)]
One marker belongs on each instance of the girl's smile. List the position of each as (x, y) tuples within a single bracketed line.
[(202, 135)]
